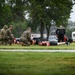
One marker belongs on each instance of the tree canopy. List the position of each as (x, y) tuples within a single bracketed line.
[(44, 11), (41, 12)]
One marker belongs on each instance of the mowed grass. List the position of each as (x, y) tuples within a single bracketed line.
[(32, 63), (36, 47)]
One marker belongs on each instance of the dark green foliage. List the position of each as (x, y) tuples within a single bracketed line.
[(5, 15), (11, 10), (40, 12), (19, 27), (44, 11)]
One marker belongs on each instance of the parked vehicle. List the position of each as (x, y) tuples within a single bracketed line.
[(73, 36)]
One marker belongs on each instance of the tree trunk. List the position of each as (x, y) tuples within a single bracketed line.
[(41, 30), (48, 31)]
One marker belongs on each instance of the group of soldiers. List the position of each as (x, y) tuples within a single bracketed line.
[(6, 36)]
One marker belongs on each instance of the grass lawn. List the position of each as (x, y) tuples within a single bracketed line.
[(36, 47), (32, 63)]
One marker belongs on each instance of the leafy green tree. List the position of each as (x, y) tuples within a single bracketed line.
[(36, 8), (44, 11), (12, 12), (5, 13), (17, 7)]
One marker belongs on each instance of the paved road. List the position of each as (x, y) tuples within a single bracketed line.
[(38, 50)]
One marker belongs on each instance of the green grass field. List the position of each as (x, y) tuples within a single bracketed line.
[(35, 47), (35, 63), (32, 63)]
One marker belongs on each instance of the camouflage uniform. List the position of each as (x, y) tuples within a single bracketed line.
[(9, 37), (2, 34), (25, 38)]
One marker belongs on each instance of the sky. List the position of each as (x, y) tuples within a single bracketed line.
[(72, 15)]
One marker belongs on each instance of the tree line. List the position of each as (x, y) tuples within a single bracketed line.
[(42, 13)]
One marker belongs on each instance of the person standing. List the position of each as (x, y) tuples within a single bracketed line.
[(2, 34), (9, 38), (60, 33), (26, 37)]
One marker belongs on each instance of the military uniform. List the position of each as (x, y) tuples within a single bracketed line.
[(25, 38), (9, 37), (2, 34)]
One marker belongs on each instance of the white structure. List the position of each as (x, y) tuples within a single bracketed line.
[(73, 36), (35, 35), (38, 35)]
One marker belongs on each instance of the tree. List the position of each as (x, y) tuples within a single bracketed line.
[(12, 12), (59, 11), (44, 11), (36, 14), (5, 13), (41, 12), (17, 7)]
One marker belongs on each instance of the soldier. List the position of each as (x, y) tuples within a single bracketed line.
[(60, 33), (9, 36), (26, 37), (2, 34)]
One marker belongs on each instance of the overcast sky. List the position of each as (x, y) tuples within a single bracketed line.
[(72, 15)]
